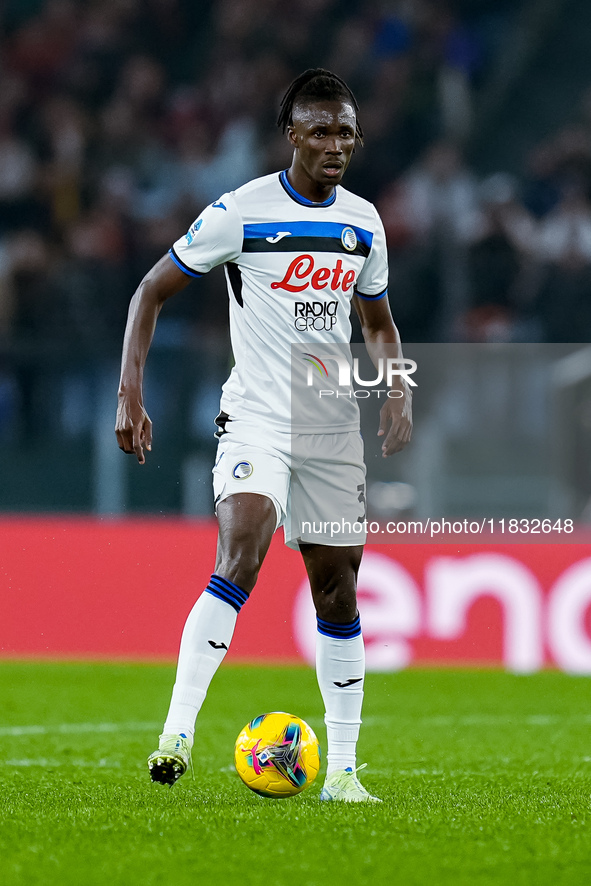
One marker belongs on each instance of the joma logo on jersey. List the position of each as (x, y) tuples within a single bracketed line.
[(303, 268), (315, 315)]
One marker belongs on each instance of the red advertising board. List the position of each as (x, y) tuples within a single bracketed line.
[(89, 588)]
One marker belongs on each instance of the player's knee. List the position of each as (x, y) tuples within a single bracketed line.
[(336, 603)]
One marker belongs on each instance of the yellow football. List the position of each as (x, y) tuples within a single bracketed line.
[(277, 755)]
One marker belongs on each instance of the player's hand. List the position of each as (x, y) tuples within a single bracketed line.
[(396, 422), (133, 427)]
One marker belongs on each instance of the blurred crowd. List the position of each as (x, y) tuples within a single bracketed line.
[(498, 257), (121, 119)]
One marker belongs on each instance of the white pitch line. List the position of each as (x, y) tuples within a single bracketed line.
[(77, 728), (447, 721), (502, 719), (443, 721), (48, 763), (480, 719)]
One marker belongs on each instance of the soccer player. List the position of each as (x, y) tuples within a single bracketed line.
[(287, 241)]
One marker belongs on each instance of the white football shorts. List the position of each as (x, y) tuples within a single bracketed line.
[(317, 484)]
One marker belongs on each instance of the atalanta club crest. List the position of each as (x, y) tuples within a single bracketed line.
[(242, 470), (349, 239)]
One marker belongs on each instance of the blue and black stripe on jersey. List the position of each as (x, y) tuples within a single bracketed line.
[(180, 264), (375, 297), (304, 236)]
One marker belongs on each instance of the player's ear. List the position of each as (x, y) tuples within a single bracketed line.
[(291, 136)]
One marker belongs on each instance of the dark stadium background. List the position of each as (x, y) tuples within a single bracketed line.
[(120, 120)]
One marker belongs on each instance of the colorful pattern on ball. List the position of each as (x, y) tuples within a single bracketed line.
[(277, 755)]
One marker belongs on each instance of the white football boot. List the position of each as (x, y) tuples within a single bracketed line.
[(171, 760), (344, 786)]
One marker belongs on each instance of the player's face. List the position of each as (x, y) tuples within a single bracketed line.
[(323, 135)]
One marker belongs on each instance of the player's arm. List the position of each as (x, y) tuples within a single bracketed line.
[(133, 427), (214, 238), (383, 341)]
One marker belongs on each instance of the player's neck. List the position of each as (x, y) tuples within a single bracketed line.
[(308, 188)]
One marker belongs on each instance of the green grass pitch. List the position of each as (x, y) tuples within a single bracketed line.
[(485, 777)]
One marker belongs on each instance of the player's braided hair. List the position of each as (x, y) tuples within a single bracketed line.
[(317, 84)]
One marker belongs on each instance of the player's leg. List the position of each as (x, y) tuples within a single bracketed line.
[(326, 521), (340, 662), (246, 525), (340, 659)]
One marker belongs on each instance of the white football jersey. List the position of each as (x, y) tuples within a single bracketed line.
[(292, 267)]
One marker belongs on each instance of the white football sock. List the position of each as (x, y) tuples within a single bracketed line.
[(340, 669), (205, 641)]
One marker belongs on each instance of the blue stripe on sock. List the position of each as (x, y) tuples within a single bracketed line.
[(226, 590), (224, 597), (224, 584), (339, 631)]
